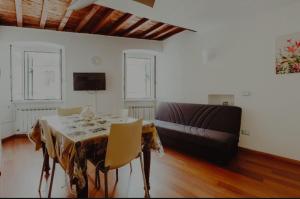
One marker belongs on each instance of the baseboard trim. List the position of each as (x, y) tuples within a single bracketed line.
[(268, 155), (23, 135)]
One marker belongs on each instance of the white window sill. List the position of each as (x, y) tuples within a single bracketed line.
[(37, 101), (139, 100)]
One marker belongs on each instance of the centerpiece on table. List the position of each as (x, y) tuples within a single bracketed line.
[(87, 113)]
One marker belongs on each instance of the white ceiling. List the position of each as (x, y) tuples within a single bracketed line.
[(198, 15)]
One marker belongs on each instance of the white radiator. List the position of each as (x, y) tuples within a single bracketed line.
[(146, 112), (27, 116)]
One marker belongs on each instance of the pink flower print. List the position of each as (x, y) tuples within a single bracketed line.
[(296, 67), (291, 49)]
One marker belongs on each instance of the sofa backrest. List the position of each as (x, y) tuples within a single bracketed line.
[(214, 117)]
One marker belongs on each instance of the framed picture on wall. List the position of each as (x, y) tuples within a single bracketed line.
[(288, 54)]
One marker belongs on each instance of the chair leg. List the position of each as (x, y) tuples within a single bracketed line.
[(147, 195), (52, 176), (97, 179), (130, 168), (106, 184), (41, 178), (117, 175)]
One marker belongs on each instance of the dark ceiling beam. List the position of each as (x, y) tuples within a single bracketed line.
[(132, 29), (65, 20), (101, 20), (118, 24), (88, 17), (165, 32), (160, 32), (108, 13), (170, 33), (151, 30)]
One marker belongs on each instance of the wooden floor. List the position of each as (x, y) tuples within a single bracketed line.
[(173, 175)]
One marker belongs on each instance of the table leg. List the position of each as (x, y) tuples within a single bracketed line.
[(147, 163), (46, 156), (83, 192), (81, 160)]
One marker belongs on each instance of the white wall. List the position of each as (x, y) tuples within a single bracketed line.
[(243, 59), (79, 49)]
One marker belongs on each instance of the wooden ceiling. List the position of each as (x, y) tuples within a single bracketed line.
[(94, 19)]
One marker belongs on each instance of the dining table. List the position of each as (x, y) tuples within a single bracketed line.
[(78, 140)]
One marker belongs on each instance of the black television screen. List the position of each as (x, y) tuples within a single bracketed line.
[(89, 81)]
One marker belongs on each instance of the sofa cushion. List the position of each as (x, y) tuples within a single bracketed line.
[(214, 117), (196, 135), (220, 137), (170, 126)]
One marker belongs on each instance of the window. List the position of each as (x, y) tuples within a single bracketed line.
[(139, 77), (36, 74)]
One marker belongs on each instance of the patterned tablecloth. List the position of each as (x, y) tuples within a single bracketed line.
[(78, 140)]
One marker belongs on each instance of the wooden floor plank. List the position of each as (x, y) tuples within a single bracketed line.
[(173, 175)]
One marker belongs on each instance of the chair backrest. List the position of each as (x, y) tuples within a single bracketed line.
[(69, 111), (124, 144), (46, 133)]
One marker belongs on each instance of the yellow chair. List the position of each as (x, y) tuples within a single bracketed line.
[(124, 114), (48, 140), (69, 111), (124, 145)]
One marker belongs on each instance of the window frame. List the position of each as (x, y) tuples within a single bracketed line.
[(26, 77), (37, 47), (152, 68)]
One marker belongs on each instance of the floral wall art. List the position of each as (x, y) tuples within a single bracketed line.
[(288, 54)]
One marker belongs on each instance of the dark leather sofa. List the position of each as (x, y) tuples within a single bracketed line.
[(211, 131)]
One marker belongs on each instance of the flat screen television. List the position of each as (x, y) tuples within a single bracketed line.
[(89, 81)]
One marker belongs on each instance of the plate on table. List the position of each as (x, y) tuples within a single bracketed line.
[(79, 120), (72, 117), (97, 130), (72, 127), (78, 133), (88, 124), (101, 121)]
